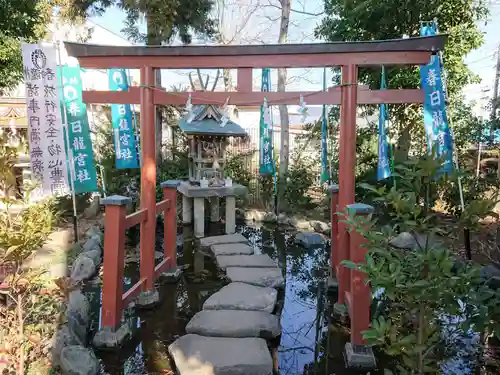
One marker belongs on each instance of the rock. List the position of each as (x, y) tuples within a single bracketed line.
[(270, 217), (78, 360), (95, 255), (108, 338), (301, 224), (225, 239), (284, 219), (232, 249), (93, 209), (254, 215), (309, 239), (83, 268), (320, 226), (148, 298), (92, 243), (408, 241), (268, 277), (491, 275), (235, 323), (240, 296), (256, 260), (78, 315), (199, 355), (62, 339), (93, 231)]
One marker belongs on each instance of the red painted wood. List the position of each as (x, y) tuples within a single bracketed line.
[(347, 164), (114, 252), (163, 206), (245, 80), (331, 97), (136, 218), (360, 290), (132, 293), (304, 60), (148, 178), (170, 230), (163, 266), (334, 244)]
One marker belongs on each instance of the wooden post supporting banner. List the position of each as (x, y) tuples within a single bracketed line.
[(334, 246), (148, 179), (360, 291), (170, 223), (114, 252)]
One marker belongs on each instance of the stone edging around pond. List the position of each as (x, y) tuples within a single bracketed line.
[(70, 349), (283, 219)]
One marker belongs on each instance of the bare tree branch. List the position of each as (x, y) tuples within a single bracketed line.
[(216, 80), (200, 79), (294, 10), (193, 87)]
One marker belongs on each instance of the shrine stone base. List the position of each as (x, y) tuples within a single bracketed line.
[(193, 205)]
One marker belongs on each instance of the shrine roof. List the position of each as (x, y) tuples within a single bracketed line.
[(207, 121), (428, 43)]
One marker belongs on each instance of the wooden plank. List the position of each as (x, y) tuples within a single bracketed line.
[(132, 293), (428, 43), (163, 206), (136, 218), (258, 61), (244, 80), (331, 97)]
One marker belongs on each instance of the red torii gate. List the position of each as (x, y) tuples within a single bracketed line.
[(353, 292)]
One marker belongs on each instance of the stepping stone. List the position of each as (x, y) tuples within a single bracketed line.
[(217, 240), (235, 323), (268, 277), (257, 261), (199, 355), (232, 249), (240, 296)]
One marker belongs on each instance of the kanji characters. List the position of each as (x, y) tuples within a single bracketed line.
[(78, 143)]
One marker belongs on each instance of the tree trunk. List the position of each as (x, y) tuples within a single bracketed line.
[(284, 119), (152, 39)]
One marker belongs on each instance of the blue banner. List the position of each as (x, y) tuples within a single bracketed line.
[(123, 131), (324, 133), (266, 146), (383, 168), (435, 120)]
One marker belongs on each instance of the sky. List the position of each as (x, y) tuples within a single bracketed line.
[(482, 61)]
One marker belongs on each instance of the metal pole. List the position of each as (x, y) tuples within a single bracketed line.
[(70, 154)]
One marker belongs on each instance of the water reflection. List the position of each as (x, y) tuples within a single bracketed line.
[(311, 343)]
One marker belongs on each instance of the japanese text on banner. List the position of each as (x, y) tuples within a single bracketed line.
[(45, 132), (123, 131), (266, 147), (80, 144), (324, 145), (435, 120)]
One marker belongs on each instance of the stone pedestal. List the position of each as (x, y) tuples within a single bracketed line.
[(199, 217), (187, 210), (214, 209), (109, 338), (359, 357), (148, 299), (230, 215)]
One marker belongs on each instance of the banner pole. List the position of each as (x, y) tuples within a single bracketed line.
[(69, 156)]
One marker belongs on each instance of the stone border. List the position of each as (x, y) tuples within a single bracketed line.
[(70, 350), (259, 216)]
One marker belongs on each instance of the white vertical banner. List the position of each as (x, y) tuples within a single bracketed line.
[(45, 131)]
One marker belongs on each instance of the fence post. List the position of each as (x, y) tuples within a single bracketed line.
[(114, 262), (170, 227), (359, 289)]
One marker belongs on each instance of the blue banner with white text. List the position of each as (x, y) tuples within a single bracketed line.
[(123, 130), (324, 134), (383, 167), (436, 125), (265, 130)]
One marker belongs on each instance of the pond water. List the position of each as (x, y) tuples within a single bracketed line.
[(311, 342)]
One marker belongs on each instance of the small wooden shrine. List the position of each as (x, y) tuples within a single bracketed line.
[(208, 130)]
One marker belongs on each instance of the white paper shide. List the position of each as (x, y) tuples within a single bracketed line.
[(45, 131)]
